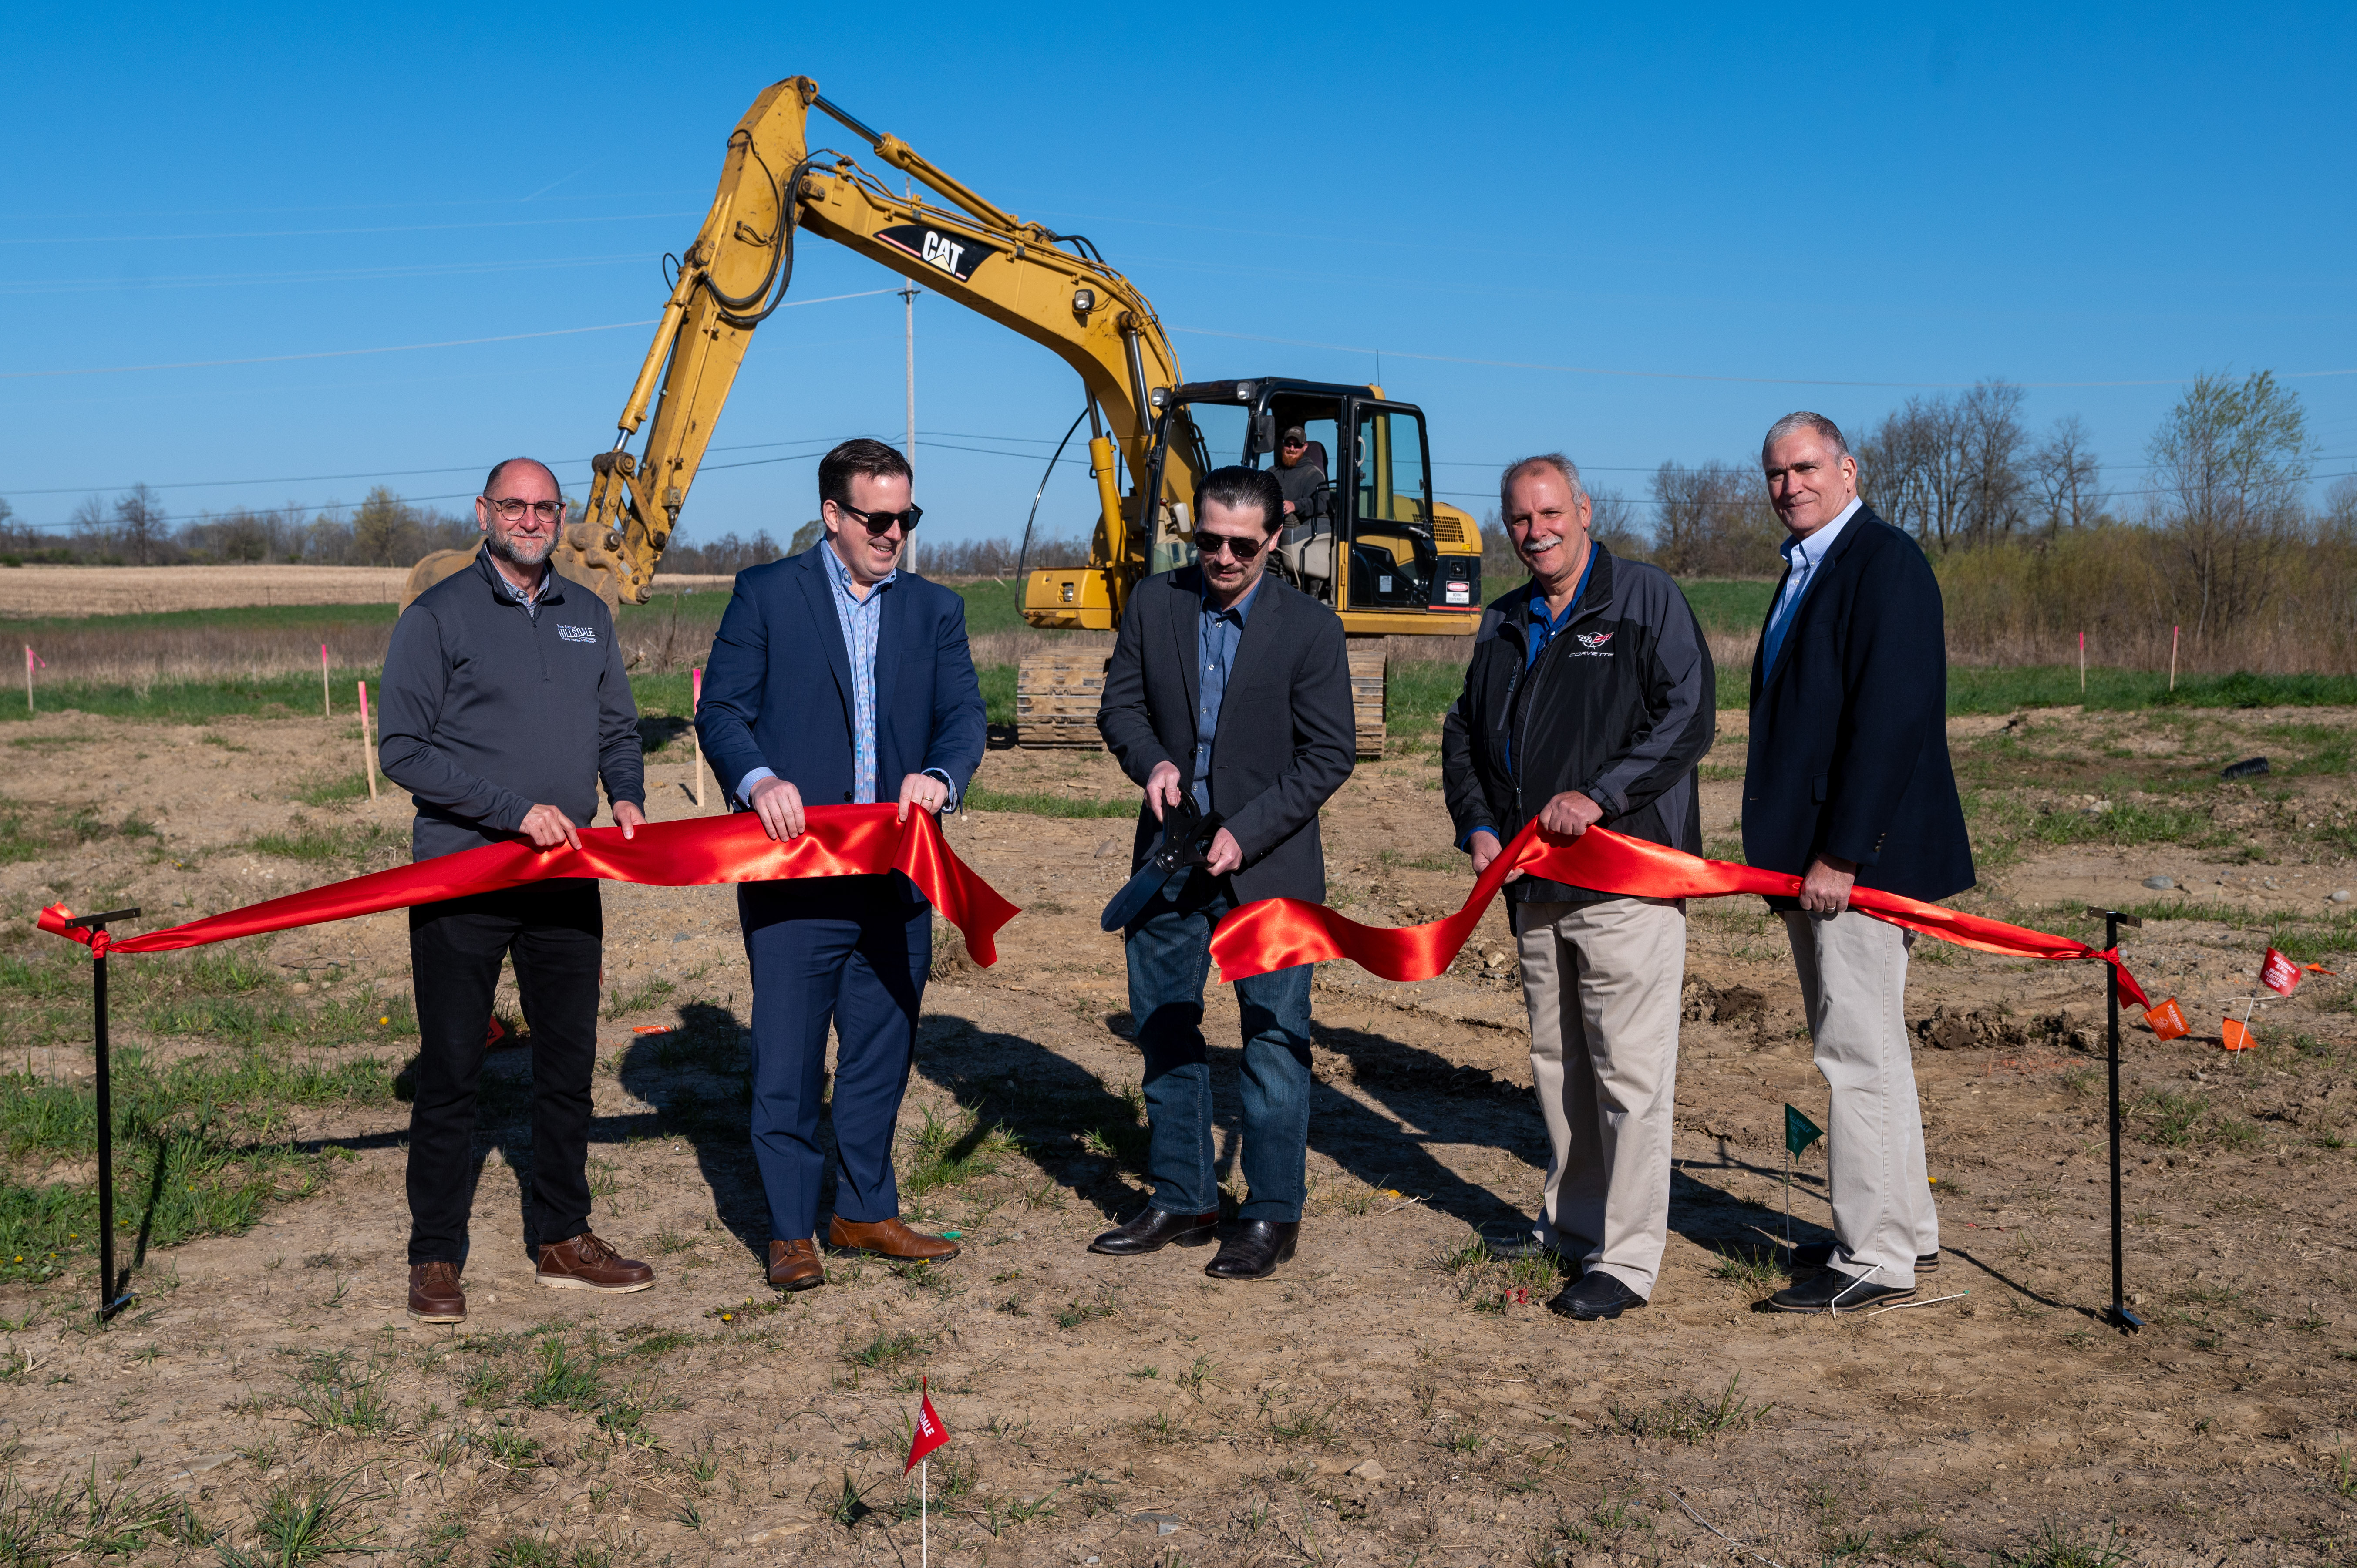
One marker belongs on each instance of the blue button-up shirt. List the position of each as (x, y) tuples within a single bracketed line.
[(860, 619), (1215, 645), (1801, 559)]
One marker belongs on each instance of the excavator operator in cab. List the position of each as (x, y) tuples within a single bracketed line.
[(1300, 468)]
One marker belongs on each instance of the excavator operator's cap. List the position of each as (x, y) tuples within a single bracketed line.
[(1295, 435)]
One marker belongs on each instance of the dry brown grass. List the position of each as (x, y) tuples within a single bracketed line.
[(147, 590), (45, 591)]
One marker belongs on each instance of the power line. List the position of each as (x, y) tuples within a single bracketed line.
[(1688, 376), (392, 349), (309, 233)]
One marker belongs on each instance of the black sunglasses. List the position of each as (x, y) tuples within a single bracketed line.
[(882, 522), (1242, 548)]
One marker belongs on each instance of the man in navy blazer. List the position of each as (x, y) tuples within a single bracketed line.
[(1849, 784), (837, 678)]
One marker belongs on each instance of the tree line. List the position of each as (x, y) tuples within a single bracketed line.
[(383, 530), (2214, 537)]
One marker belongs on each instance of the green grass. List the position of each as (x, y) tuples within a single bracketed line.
[(300, 622), (191, 702), (1976, 689), (201, 1145), (1046, 803), (1731, 605)]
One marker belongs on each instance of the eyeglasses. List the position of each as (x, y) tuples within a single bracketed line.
[(1242, 548), (1292, 443), (511, 509), (882, 522)]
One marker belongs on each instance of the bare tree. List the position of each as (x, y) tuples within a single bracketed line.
[(2230, 463), (1712, 519), (1988, 461), (383, 531), (1911, 470), (2069, 478), (140, 523)]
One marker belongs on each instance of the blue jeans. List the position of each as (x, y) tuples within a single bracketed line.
[(1169, 951)]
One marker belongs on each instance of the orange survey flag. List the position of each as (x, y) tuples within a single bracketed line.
[(2167, 1020), (2237, 1035), (2279, 974), (930, 1433)]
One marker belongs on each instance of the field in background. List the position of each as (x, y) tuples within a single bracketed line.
[(202, 663)]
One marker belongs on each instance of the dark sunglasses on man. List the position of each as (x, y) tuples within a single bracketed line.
[(1242, 547), (882, 522)]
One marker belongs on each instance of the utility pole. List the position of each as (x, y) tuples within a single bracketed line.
[(909, 307), (909, 297)]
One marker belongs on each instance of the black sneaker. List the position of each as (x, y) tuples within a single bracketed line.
[(1837, 1293), (1818, 1254), (1597, 1296)]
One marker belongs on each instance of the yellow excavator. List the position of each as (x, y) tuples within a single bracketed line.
[(1371, 540)]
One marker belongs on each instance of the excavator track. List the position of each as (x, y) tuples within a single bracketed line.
[(1057, 694)]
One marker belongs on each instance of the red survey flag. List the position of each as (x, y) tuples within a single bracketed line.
[(930, 1433), (2279, 974), (2167, 1020)]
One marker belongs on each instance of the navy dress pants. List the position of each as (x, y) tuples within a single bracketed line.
[(852, 951)]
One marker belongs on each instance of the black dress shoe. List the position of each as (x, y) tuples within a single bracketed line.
[(1835, 1291), (1597, 1296), (1530, 1246), (1817, 1255), (1154, 1230), (1256, 1250)]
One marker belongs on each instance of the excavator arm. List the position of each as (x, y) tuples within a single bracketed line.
[(1051, 289)]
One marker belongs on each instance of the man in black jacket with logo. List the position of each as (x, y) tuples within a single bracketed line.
[(504, 704), (1849, 783), (1589, 699)]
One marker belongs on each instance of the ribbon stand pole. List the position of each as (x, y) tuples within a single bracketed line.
[(109, 1303), (2118, 1314)]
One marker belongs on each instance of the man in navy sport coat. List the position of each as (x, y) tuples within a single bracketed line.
[(836, 679), (1848, 784)]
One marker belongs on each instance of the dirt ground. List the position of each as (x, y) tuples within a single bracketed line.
[(1385, 1398), (141, 590)]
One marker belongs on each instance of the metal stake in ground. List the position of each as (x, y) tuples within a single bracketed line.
[(2119, 1314), (109, 1303)]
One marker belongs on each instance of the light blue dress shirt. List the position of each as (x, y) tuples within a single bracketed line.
[(1216, 646), (1801, 557), (860, 619)]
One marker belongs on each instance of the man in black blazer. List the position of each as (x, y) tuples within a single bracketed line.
[(1232, 689), (1849, 783)]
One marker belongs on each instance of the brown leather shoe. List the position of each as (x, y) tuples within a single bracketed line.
[(433, 1292), (587, 1263), (795, 1265), (888, 1239)]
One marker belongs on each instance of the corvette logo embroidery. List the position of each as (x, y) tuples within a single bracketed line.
[(1594, 639), (577, 633)]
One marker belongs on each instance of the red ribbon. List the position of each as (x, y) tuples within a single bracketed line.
[(1278, 933), (840, 840)]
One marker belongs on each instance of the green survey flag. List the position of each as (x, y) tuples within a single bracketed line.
[(1800, 1131)]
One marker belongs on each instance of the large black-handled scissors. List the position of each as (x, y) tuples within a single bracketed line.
[(1187, 835)]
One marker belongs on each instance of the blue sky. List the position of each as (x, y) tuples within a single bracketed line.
[(2090, 194)]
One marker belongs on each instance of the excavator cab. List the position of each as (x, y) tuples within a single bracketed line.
[(1370, 540)]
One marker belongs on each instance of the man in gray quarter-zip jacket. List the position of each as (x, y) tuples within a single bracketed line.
[(1588, 700), (504, 704)]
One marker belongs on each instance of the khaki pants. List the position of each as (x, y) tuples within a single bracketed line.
[(1602, 981), (1852, 972)]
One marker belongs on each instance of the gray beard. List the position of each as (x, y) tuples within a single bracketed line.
[(507, 551)]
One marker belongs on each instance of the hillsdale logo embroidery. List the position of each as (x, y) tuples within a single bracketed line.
[(577, 633)]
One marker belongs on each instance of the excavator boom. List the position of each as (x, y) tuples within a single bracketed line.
[(1047, 286)]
